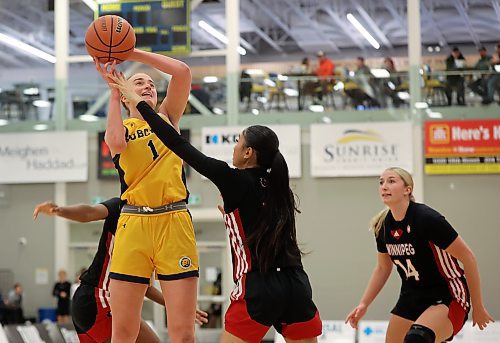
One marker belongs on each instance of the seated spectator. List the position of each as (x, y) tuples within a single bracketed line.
[(305, 66), (493, 81), (391, 84), (364, 77), (361, 91), (455, 82), (14, 305), (479, 85), (245, 88), (324, 71)]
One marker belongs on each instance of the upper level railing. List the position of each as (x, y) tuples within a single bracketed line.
[(266, 93)]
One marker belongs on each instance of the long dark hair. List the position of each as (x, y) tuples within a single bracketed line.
[(274, 232)]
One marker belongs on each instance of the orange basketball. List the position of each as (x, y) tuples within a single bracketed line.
[(109, 38)]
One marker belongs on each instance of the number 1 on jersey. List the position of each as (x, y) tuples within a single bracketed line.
[(409, 269), (153, 149)]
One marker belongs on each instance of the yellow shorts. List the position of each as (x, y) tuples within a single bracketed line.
[(164, 243)]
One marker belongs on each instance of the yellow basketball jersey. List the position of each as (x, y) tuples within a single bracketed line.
[(150, 173)]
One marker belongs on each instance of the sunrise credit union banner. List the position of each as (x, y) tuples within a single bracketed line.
[(462, 146), (360, 149)]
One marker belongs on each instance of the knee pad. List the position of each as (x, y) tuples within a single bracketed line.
[(420, 334)]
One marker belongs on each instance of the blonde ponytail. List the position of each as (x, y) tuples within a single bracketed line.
[(377, 222)]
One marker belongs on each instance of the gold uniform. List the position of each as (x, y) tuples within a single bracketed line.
[(151, 176)]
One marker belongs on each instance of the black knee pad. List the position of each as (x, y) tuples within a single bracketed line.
[(420, 334)]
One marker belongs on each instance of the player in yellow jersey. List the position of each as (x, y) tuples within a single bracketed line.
[(155, 232)]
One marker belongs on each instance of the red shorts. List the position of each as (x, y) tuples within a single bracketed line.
[(91, 314), (268, 300), (457, 315)]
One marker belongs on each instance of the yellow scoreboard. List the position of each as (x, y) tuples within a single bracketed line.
[(161, 26)]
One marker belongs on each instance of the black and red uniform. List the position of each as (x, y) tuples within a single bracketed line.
[(429, 274), (90, 308), (282, 297)]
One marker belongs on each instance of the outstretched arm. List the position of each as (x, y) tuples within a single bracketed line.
[(179, 86), (377, 281), (217, 171), (115, 131), (79, 213), (460, 250)]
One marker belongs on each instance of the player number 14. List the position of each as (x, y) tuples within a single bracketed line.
[(409, 269)]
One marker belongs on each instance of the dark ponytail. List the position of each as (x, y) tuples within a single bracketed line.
[(274, 233)]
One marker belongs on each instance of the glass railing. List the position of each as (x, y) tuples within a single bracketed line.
[(29, 101)]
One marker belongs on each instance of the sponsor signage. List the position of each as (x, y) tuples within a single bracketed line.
[(218, 142), (372, 331), (360, 149), (462, 146), (334, 331), (43, 157)]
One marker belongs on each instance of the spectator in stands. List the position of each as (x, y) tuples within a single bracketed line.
[(455, 82), (324, 71), (392, 83), (363, 95), (14, 305), (494, 79), (245, 88), (62, 290), (363, 69), (305, 66), (479, 85)]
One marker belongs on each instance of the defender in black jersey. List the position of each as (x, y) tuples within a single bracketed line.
[(272, 288), (91, 313), (434, 302)]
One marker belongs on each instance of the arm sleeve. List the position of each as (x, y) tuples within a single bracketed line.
[(113, 206), (437, 229), (223, 176)]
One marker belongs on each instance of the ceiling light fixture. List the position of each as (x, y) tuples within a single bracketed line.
[(26, 48), (363, 31), (219, 35)]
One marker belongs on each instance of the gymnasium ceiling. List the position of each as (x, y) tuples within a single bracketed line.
[(274, 29)]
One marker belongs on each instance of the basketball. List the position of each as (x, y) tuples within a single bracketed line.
[(109, 38)]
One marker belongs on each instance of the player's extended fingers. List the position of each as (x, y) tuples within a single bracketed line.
[(35, 213)]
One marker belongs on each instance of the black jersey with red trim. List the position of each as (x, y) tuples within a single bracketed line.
[(242, 191), (97, 274), (417, 246)]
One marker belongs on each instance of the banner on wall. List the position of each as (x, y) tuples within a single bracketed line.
[(462, 146), (43, 157), (372, 331), (105, 165), (360, 149), (218, 142), (334, 331)]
